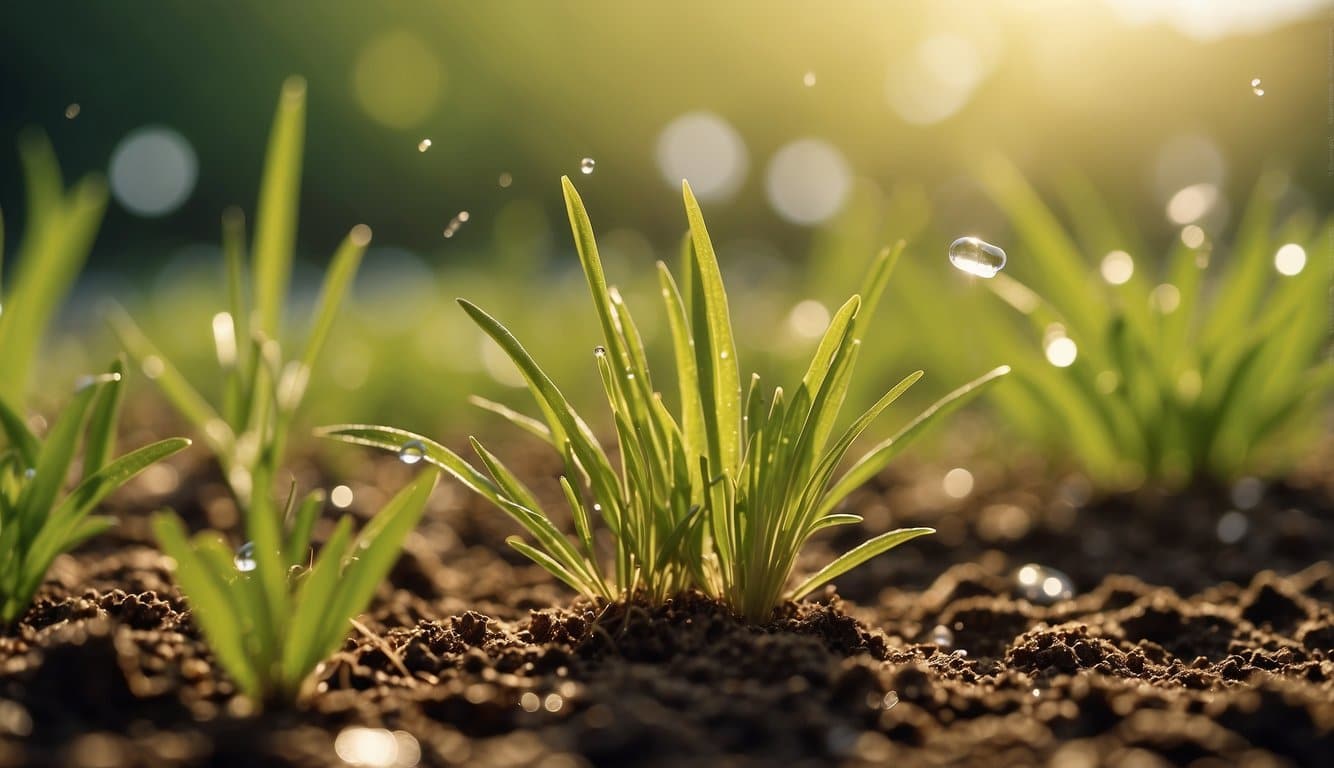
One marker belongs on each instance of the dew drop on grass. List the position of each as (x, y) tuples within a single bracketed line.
[(423, 145), (412, 452), (29, 473), (976, 257), (1042, 585), (942, 636), (244, 560), (1255, 87), (586, 165)]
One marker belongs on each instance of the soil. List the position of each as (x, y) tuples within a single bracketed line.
[(1194, 628)]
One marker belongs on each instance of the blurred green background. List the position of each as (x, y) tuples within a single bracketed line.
[(812, 133)]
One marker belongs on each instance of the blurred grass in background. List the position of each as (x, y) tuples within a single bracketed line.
[(813, 134)]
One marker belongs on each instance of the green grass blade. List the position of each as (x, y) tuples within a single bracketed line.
[(376, 549), (716, 360), (100, 441), (526, 423), (856, 556), (183, 397), (275, 220), (211, 608), (20, 437), (53, 462), (301, 648), (298, 539), (393, 439), (336, 283), (687, 373)]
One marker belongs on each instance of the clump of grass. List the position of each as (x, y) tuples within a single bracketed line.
[(1203, 372), (247, 431), (57, 237), (271, 615), (271, 623), (38, 521), (721, 497)]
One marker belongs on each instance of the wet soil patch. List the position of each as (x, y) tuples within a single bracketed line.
[(934, 654)]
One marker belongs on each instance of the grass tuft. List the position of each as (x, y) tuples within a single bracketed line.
[(720, 497)]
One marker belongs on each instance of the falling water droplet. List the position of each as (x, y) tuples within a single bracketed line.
[(976, 257), (456, 222), (1042, 585), (423, 145), (245, 557), (72, 111), (586, 165), (1255, 87), (808, 79), (942, 636), (411, 452)]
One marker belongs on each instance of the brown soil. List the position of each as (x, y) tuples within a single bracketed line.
[(1176, 648)]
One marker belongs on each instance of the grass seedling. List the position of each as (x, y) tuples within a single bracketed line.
[(261, 391), (268, 616), (38, 521), (721, 497), (58, 235), (1200, 373)]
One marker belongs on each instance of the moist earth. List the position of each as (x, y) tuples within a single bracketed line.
[(1190, 628)]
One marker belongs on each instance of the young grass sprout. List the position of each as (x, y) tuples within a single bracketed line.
[(247, 432), (722, 496), (272, 615), (1210, 373), (38, 521)]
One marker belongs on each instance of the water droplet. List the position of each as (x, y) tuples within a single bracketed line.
[(1042, 585), (599, 351), (456, 222), (72, 111), (1255, 87), (412, 452), (586, 165), (1232, 527), (29, 473), (244, 560), (724, 354), (808, 79), (505, 180), (942, 636), (976, 257), (423, 145), (890, 700)]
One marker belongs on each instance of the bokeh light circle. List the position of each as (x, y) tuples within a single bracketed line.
[(397, 80), (807, 181), (153, 171), (706, 150)]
